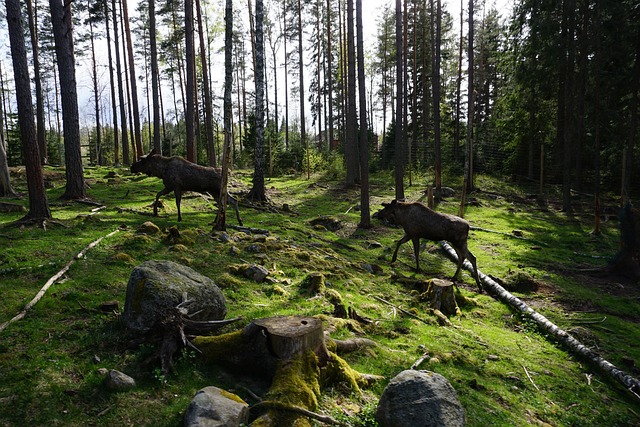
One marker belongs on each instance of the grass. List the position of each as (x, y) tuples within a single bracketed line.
[(506, 372)]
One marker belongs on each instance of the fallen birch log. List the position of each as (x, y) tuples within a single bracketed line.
[(631, 383), (51, 281)]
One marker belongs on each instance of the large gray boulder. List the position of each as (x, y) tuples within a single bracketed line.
[(156, 288), (419, 399), (213, 407)]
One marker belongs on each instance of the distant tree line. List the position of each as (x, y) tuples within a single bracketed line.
[(548, 94)]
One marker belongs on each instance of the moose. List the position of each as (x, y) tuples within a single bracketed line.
[(179, 175), (418, 221)]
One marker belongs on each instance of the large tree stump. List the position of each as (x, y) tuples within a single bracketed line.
[(291, 351), (288, 336), (440, 295)]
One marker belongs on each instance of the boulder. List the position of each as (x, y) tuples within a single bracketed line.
[(419, 398), (156, 288), (213, 407)]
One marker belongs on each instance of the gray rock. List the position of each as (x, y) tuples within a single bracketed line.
[(117, 381), (155, 288), (419, 398), (256, 273), (213, 407)]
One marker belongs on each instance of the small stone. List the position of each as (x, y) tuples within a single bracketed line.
[(118, 381)]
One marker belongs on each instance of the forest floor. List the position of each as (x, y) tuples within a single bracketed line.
[(505, 370)]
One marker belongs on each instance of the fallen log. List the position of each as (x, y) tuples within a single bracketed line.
[(632, 384)]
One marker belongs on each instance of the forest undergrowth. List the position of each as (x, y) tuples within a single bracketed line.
[(505, 371)]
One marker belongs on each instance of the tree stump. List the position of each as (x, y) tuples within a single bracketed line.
[(291, 351), (288, 336), (440, 295)]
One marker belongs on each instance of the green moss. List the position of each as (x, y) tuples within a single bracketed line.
[(218, 347), (232, 396), (337, 371), (295, 384)]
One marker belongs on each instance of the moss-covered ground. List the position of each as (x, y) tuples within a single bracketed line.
[(505, 371)]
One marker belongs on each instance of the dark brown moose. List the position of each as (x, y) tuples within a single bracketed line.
[(180, 175), (418, 221)]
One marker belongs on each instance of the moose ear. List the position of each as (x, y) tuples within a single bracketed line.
[(153, 152), (385, 204)]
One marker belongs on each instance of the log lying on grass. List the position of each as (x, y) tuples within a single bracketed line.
[(632, 384)]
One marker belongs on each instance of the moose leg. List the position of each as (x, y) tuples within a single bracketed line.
[(161, 193), (472, 260), (416, 251), (178, 194), (461, 257), (234, 201), (401, 241)]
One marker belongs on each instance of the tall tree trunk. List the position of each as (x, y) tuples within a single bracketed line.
[(468, 159), (155, 80), (38, 205), (114, 108), (568, 18), (220, 222), (5, 179), (190, 115), (96, 97), (456, 138), (121, 89), (633, 126), (399, 144), (303, 133), (436, 99), (208, 109), (365, 217), (63, 35), (257, 192), (286, 81), (35, 52), (351, 137), (132, 79), (329, 76)]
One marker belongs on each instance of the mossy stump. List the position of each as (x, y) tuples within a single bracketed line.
[(440, 295), (291, 351)]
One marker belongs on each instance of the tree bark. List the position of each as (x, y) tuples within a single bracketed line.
[(155, 83), (63, 35), (40, 126), (365, 217), (114, 108), (399, 145), (208, 109), (38, 205), (257, 192), (351, 137), (121, 89), (221, 217), (137, 136)]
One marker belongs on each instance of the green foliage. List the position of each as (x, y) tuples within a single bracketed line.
[(49, 369)]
